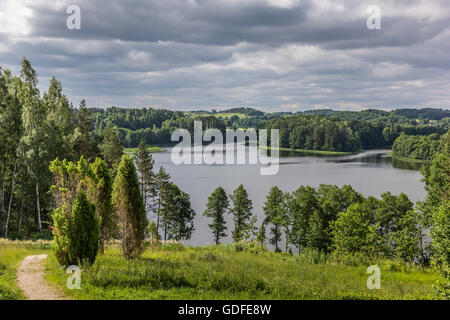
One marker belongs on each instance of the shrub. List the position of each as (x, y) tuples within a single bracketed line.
[(77, 234)]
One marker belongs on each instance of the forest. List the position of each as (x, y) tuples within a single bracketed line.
[(64, 176)]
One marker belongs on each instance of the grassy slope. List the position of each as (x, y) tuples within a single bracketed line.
[(326, 153), (177, 272), (11, 254)]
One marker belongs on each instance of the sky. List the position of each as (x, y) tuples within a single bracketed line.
[(273, 55)]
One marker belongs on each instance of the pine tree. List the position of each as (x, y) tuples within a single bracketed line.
[(59, 119), (273, 212), (159, 192), (242, 212), (84, 142), (144, 164), (111, 148), (216, 207), (129, 205)]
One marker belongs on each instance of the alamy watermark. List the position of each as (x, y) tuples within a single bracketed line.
[(373, 22), (374, 280), (74, 281), (73, 22), (233, 151)]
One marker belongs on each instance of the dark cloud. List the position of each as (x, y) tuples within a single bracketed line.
[(277, 55)]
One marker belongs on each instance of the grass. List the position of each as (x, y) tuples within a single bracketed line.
[(11, 254), (151, 149), (321, 152), (238, 271), (408, 159)]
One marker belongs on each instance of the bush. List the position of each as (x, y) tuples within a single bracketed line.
[(77, 234)]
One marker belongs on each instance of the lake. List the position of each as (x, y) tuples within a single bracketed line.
[(370, 173)]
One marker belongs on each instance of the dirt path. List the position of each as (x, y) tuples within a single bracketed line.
[(30, 277)]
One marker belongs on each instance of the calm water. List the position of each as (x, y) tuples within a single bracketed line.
[(370, 173)]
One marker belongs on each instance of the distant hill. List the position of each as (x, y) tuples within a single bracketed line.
[(244, 110), (425, 113)]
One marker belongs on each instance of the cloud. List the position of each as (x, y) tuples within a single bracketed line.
[(196, 54)]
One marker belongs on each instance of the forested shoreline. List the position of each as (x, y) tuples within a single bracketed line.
[(64, 176)]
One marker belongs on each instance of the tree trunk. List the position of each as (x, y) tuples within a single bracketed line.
[(157, 219), (38, 208), (20, 217), (10, 199)]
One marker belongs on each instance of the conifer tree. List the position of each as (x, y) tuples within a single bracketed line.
[(100, 193), (216, 207), (273, 212), (129, 206), (144, 164), (161, 188), (242, 212)]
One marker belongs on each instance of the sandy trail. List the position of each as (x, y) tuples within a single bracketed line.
[(30, 277)]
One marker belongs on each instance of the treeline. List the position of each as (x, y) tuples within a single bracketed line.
[(327, 219), (315, 133), (367, 129), (154, 126), (416, 147)]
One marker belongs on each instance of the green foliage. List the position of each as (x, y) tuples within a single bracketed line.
[(440, 233), (100, 193), (273, 209), (437, 180), (216, 207), (84, 232), (242, 212), (416, 147), (84, 143), (315, 133), (76, 236), (129, 206), (111, 148), (160, 192), (144, 164), (177, 214), (353, 233)]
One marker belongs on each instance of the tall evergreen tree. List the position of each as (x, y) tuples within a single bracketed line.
[(85, 144), (144, 164), (100, 193), (216, 207), (59, 118), (242, 212), (161, 188), (111, 148), (129, 205), (273, 211)]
